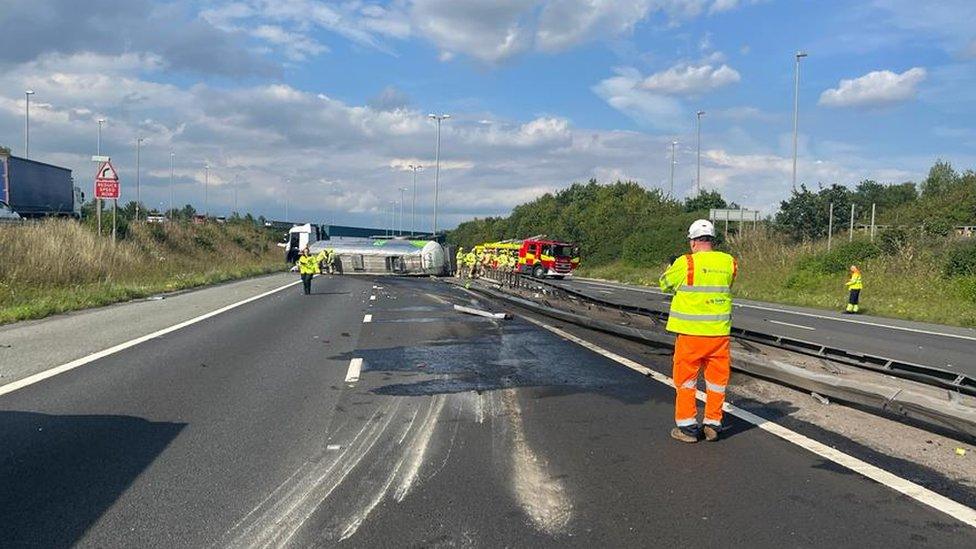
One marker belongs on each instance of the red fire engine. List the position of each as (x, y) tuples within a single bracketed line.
[(541, 257)]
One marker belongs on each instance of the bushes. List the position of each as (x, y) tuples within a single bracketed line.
[(961, 260), (841, 258)]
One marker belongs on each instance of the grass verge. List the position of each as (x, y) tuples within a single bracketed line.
[(58, 265), (903, 279)]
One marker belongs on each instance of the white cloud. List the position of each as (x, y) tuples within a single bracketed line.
[(624, 93), (874, 88), (690, 79), (297, 47), (566, 23), (488, 30)]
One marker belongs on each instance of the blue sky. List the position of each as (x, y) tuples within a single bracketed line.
[(324, 104)]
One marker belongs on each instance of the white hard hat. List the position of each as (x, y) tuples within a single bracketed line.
[(700, 228)]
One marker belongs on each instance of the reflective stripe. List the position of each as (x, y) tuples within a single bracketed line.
[(713, 422), (690, 277), (703, 318), (714, 388), (690, 384), (686, 422), (706, 289)]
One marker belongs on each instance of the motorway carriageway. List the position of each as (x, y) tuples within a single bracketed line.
[(946, 347), (372, 414)]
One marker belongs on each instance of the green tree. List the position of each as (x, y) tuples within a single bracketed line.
[(704, 201), (940, 180)]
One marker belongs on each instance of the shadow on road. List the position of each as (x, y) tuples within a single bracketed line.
[(60, 473)]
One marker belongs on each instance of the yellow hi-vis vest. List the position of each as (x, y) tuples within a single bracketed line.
[(307, 264), (702, 286), (856, 282)]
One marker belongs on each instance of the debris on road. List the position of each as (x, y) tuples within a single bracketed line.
[(820, 398), (479, 312), (960, 451)]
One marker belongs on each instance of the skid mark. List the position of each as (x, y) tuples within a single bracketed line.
[(278, 517), (544, 498)]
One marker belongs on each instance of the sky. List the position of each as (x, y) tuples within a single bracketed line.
[(320, 107)]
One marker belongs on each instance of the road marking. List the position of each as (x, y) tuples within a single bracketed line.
[(355, 366), (801, 313), (800, 326), (41, 376), (372, 298), (919, 493), (367, 319)]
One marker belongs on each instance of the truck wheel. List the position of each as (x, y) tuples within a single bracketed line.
[(539, 271)]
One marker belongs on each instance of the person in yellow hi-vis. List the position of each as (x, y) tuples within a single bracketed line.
[(701, 315), (854, 287), (308, 265)]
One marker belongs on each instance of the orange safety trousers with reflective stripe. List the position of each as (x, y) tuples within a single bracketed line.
[(691, 354)]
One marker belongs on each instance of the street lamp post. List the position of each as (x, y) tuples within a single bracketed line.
[(27, 95), (413, 207), (206, 191), (796, 109), (699, 114), (287, 186), (671, 187), (437, 162), (139, 141), (172, 175), (98, 201), (402, 189), (392, 218)]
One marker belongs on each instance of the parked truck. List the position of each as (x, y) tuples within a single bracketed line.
[(36, 189)]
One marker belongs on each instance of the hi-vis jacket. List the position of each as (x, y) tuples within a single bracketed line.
[(702, 287), (856, 282), (307, 264)]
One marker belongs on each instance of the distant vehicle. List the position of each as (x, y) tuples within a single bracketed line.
[(541, 257), (36, 189), (298, 237), (389, 256), (6, 214)]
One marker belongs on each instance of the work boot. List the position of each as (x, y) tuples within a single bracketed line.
[(685, 434), (711, 432)]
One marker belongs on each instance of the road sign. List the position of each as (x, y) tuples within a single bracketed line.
[(107, 182)]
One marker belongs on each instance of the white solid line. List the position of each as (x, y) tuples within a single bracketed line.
[(41, 376), (367, 318), (799, 313), (919, 493), (355, 366), (800, 326)]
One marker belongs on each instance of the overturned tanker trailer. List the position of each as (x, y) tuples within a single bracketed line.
[(394, 256)]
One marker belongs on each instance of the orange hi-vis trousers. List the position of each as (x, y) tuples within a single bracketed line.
[(691, 353)]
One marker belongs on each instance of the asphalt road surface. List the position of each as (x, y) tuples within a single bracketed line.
[(946, 347), (252, 428)]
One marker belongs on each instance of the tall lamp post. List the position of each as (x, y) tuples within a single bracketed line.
[(413, 207), (796, 108), (139, 141), (287, 186), (437, 162), (98, 201), (27, 95), (699, 114), (172, 175), (671, 186), (402, 190), (206, 191)]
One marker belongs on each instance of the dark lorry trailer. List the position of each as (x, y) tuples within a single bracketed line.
[(36, 189)]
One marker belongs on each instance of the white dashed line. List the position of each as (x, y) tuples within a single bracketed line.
[(791, 325), (355, 366), (372, 298), (367, 319), (919, 493)]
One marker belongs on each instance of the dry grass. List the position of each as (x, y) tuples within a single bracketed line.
[(60, 265), (906, 282)]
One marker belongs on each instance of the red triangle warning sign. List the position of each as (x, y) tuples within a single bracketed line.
[(107, 172)]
